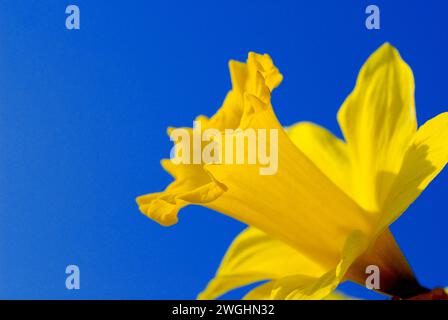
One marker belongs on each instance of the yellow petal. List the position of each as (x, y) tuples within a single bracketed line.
[(262, 292), (424, 159), (299, 287), (378, 122), (374, 145), (328, 153), (255, 256)]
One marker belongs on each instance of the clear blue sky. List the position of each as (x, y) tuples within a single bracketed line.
[(83, 117)]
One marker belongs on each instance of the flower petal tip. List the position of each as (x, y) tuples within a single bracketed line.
[(159, 210)]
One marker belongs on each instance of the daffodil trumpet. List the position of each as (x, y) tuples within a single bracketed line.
[(241, 147), (323, 217)]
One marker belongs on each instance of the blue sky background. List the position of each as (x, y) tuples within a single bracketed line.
[(83, 116)]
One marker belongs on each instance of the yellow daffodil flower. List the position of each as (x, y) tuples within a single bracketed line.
[(323, 217)]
